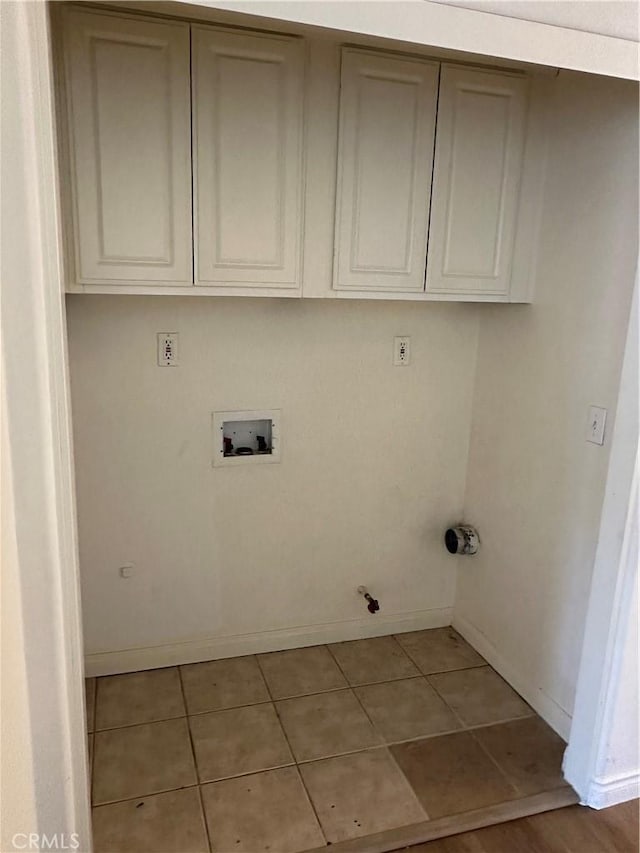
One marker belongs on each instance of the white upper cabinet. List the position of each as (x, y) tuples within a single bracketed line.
[(201, 159), (385, 158), (247, 121), (477, 173), (128, 149)]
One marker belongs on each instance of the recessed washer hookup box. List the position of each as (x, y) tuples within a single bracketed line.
[(246, 437)]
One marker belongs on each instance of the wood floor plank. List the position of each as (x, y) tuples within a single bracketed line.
[(519, 835), (573, 829), (625, 821), (585, 830)]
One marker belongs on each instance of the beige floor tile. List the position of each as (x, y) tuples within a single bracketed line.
[(298, 672), (374, 660), (401, 710), (241, 740), (170, 823), (264, 812), (360, 794), (219, 684), (528, 752), (90, 702), (452, 774), (326, 724), (479, 696), (439, 650), (139, 760), (138, 697)]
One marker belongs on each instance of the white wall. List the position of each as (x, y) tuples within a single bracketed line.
[(602, 761), (535, 487), (44, 772), (618, 761), (19, 807), (373, 469)]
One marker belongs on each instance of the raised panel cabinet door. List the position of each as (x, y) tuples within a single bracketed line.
[(385, 159), (476, 180), (128, 104), (248, 111)]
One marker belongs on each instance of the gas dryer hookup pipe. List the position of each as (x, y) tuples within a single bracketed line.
[(462, 539)]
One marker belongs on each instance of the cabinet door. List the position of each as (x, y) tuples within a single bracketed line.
[(248, 100), (478, 163), (129, 148), (385, 158)]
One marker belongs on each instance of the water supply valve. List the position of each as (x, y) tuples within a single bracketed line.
[(372, 604)]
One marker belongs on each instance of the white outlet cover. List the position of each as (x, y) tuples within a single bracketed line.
[(167, 349), (402, 351), (596, 424)]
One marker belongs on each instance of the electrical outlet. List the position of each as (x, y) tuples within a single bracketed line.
[(167, 349), (595, 424), (402, 351)]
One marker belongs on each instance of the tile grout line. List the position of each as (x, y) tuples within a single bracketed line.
[(432, 736), (463, 726), (296, 765), (195, 762), (494, 761), (348, 686), (446, 671), (247, 773), (91, 757), (145, 796), (409, 785), (144, 722), (384, 744), (262, 675), (470, 731), (95, 704), (478, 725), (358, 700), (94, 717), (353, 688)]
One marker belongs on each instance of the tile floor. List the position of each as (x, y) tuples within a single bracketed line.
[(292, 750)]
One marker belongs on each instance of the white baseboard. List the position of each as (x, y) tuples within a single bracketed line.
[(543, 704), (612, 791), (212, 648)]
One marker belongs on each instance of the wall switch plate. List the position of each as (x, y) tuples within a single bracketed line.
[(402, 351), (595, 424), (167, 349)]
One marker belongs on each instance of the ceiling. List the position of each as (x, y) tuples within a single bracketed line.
[(618, 18)]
